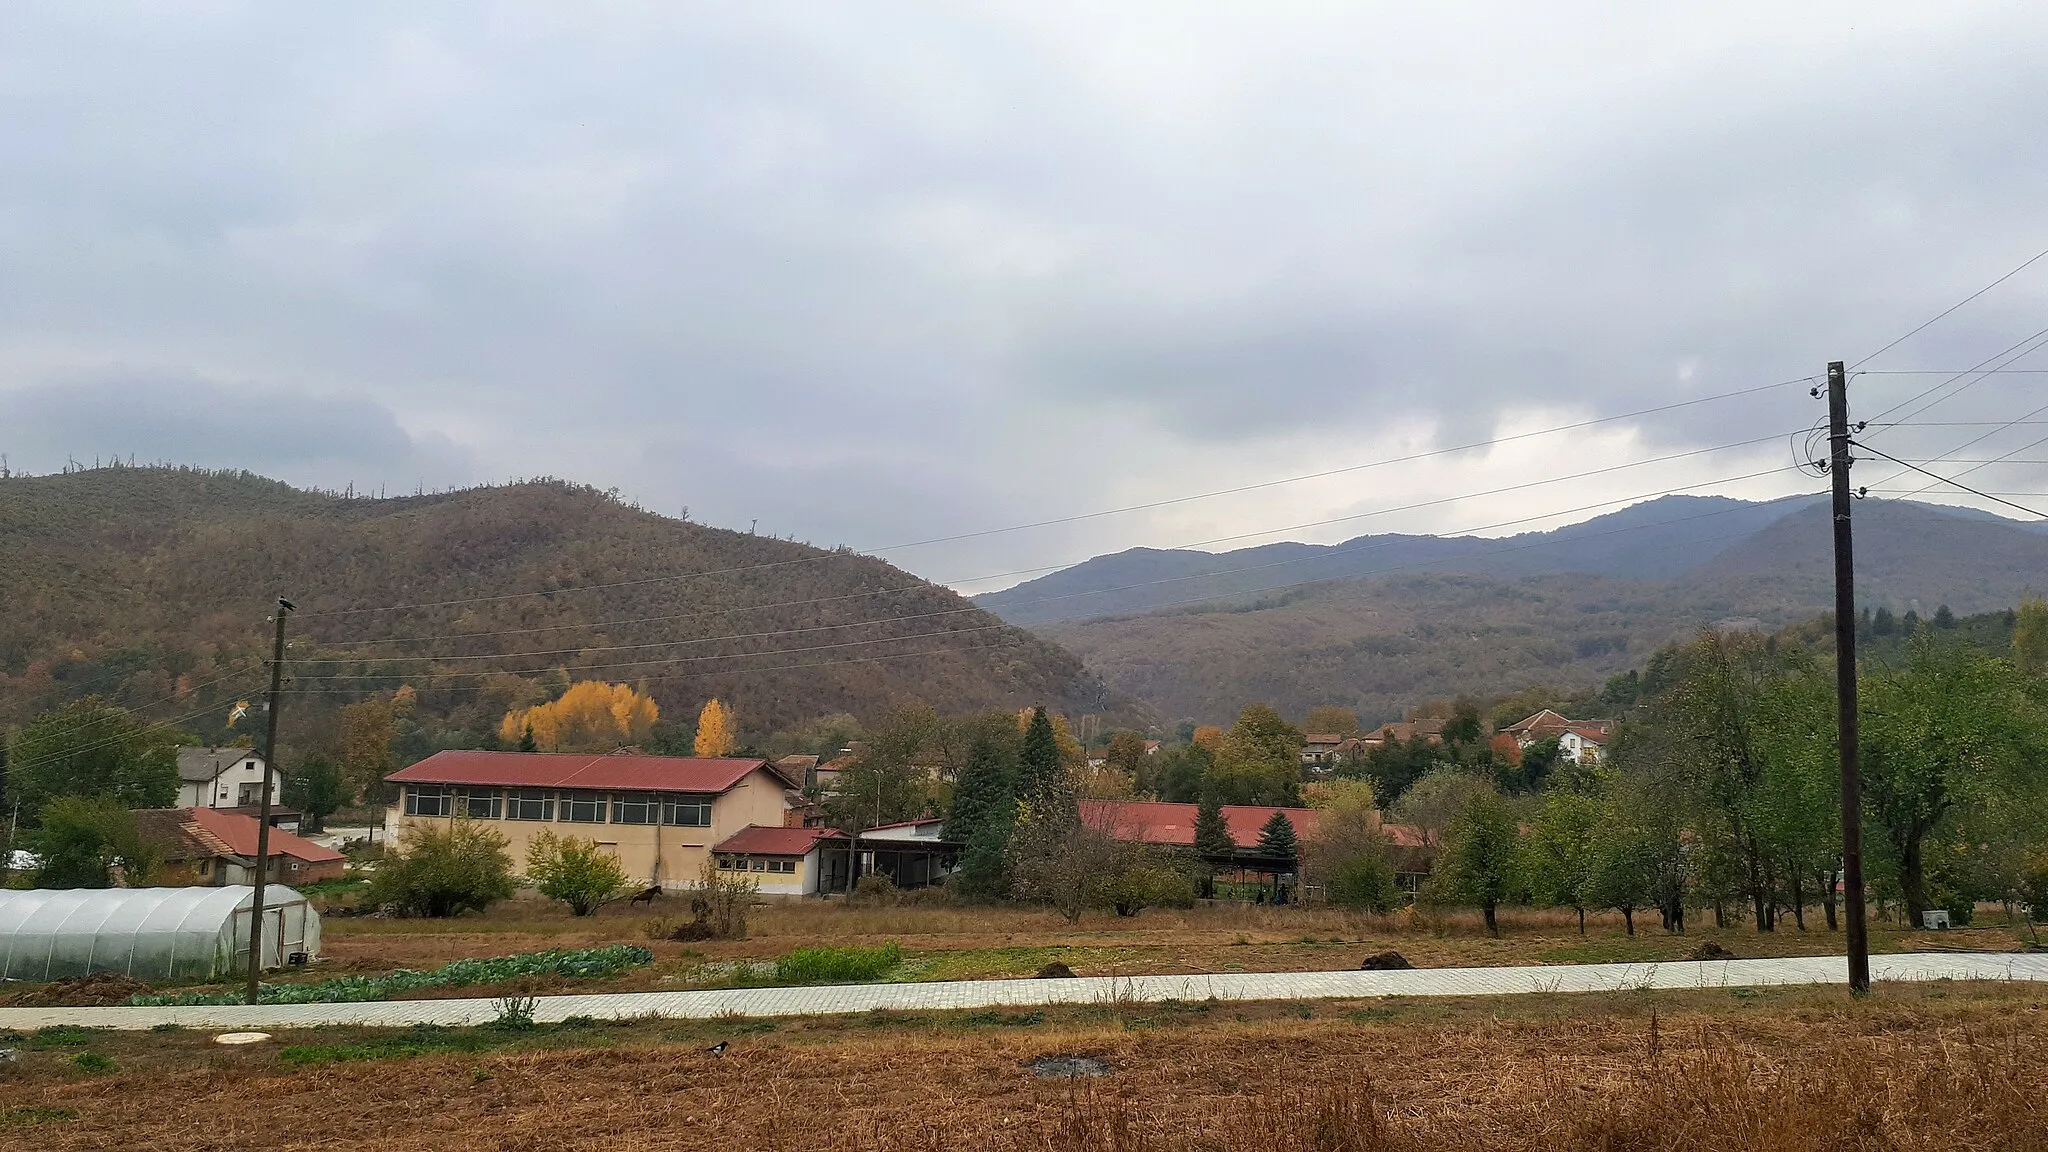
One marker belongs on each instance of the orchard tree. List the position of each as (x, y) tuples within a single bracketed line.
[(1481, 853), (575, 871), (1561, 854)]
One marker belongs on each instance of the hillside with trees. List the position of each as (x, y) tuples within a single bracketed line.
[(443, 613), (1377, 644)]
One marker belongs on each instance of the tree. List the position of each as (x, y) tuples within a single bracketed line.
[(1039, 772), (1436, 802), (1054, 858), (1213, 840), (1625, 869), (1348, 854), (90, 748), (2030, 636), (83, 838), (1952, 729), (441, 870), (1139, 876), (1562, 850), (1331, 720), (717, 733), (575, 871), (1278, 849), (890, 778), (1394, 766), (1943, 618), (1126, 754), (1481, 850), (983, 809), (590, 716), (316, 791), (1178, 775), (368, 728), (1258, 761)]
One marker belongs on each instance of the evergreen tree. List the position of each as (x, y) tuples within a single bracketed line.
[(982, 793), (526, 743), (1212, 831), (1277, 842), (1040, 776)]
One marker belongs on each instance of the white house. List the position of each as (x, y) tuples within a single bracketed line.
[(223, 778), (786, 861)]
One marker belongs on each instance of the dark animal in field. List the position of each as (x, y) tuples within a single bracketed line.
[(717, 1049), (646, 896)]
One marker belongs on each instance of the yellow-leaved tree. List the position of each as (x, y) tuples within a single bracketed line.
[(717, 730), (591, 716)]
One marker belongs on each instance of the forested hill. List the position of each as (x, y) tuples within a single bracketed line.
[(151, 586)]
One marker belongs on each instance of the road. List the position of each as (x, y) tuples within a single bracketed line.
[(845, 998)]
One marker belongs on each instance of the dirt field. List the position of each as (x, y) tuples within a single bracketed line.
[(1913, 1067)]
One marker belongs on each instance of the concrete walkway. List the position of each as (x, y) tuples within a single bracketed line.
[(1086, 990)]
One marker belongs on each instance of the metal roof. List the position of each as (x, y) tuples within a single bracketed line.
[(763, 841), (617, 773)]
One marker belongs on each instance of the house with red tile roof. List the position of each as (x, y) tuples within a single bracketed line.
[(661, 815), (219, 847), (786, 861), (1582, 741)]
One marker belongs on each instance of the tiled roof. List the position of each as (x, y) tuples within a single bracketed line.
[(561, 770), (1157, 822), (187, 832), (757, 840)]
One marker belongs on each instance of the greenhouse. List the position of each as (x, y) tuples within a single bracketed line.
[(149, 933)]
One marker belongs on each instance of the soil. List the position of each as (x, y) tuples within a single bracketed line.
[(1385, 962), (97, 989)]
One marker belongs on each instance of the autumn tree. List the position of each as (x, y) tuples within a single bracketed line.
[(1259, 760), (1348, 855), (717, 733), (1331, 720), (367, 729), (591, 716)]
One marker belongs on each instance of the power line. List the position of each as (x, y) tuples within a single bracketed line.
[(69, 752), (1949, 482), (551, 592), (2031, 344), (1944, 313)]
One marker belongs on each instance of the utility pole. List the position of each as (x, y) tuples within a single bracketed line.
[(284, 609), (1854, 929)]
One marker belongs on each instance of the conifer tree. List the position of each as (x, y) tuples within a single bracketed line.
[(1212, 831), (1277, 842), (982, 794), (1041, 779)]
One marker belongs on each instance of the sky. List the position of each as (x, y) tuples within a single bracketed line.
[(906, 277)]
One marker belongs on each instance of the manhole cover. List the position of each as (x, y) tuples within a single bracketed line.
[(241, 1038), (1051, 1067)]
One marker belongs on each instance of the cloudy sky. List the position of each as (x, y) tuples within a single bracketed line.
[(882, 273)]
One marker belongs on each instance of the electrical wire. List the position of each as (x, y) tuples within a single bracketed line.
[(2031, 344), (1944, 313), (1949, 482)]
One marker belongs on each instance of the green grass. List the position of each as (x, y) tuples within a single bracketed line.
[(62, 1036), (589, 963), (852, 965), (26, 1115), (93, 1062)]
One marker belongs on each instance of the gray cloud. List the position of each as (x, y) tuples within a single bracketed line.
[(884, 275)]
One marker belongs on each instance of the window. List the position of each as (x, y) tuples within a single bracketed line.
[(634, 808), (480, 804), (583, 807), (782, 866), (530, 804), (429, 800), (732, 864), (756, 865), (686, 811)]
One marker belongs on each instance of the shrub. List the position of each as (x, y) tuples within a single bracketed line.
[(1140, 879), (718, 907), (575, 871), (837, 965), (1364, 881), (443, 870), (93, 1062), (874, 889)]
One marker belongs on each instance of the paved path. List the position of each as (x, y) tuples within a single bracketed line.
[(1086, 990)]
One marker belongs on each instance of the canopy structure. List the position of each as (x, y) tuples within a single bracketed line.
[(148, 933)]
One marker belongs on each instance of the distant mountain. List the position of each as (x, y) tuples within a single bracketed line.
[(151, 586), (1563, 609), (1657, 540)]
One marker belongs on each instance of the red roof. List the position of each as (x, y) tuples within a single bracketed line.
[(762, 841), (238, 832), (1157, 822), (562, 770)]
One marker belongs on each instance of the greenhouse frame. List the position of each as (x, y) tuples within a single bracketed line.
[(149, 933)]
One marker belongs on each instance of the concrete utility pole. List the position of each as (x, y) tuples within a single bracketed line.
[(284, 609), (1854, 929)]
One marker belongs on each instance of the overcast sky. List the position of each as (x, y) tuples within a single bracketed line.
[(873, 274)]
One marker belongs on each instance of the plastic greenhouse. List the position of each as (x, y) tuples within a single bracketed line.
[(148, 933)]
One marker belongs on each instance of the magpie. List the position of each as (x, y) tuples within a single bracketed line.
[(717, 1049)]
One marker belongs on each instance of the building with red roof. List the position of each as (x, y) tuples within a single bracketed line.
[(219, 847), (786, 861), (661, 815)]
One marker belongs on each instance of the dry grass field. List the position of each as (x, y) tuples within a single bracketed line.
[(1912, 1067), (944, 942)]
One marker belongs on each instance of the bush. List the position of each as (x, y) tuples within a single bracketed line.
[(1142, 879), (443, 870), (837, 965), (1364, 881), (83, 838), (718, 907), (874, 889), (575, 871)]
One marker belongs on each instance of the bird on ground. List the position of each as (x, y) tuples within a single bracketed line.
[(717, 1049)]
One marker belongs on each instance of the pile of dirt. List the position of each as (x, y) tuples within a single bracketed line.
[(1711, 951), (1385, 962), (1055, 971), (100, 988)]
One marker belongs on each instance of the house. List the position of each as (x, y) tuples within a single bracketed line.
[(219, 847), (910, 853), (661, 815), (224, 778), (1319, 748), (786, 861), (1583, 741)]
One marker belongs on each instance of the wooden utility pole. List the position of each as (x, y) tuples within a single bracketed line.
[(284, 608), (1854, 928)]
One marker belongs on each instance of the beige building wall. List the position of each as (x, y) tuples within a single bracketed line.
[(666, 854)]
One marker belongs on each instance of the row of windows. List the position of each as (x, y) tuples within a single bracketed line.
[(744, 864), (541, 804)]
